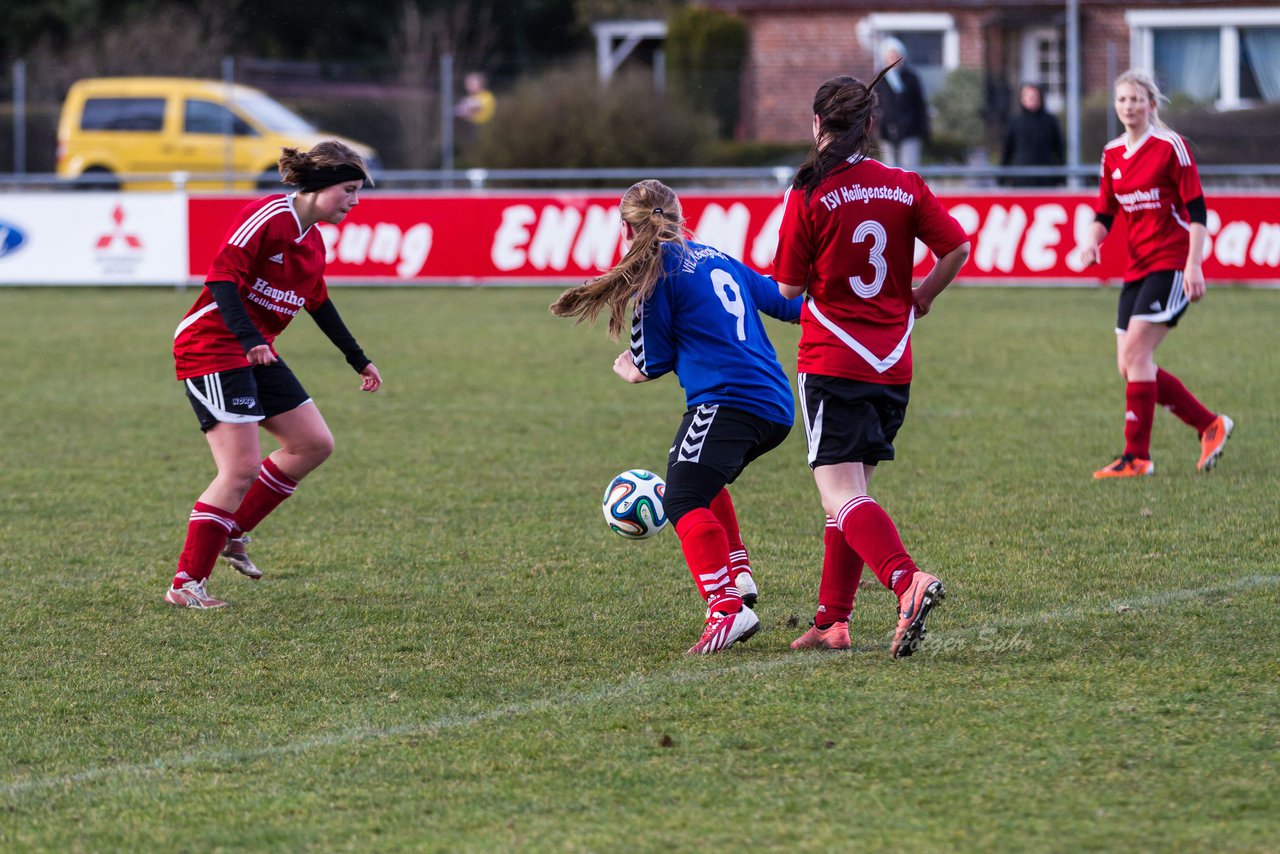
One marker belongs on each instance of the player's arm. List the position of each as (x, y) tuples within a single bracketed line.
[(652, 351), (1104, 215), (625, 367), (330, 322), (767, 295), (943, 273), (1193, 275), (1089, 249), (230, 306), (795, 250), (790, 291)]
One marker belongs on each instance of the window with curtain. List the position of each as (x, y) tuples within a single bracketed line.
[(1260, 64), (1188, 62)]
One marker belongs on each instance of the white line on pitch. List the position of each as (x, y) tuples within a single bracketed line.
[(632, 685)]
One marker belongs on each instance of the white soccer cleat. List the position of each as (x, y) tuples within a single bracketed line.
[(722, 630), (192, 595), (746, 584), (237, 557)]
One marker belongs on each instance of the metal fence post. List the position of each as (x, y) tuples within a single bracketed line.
[(446, 113), (228, 132), (20, 116)]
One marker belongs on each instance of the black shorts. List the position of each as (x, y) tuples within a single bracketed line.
[(1156, 298), (712, 447), (846, 421), (244, 395), (723, 439)]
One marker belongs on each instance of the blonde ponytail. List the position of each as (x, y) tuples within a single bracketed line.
[(653, 212)]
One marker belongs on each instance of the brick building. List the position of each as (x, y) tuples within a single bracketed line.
[(1215, 52)]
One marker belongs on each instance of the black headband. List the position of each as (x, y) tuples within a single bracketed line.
[(317, 179)]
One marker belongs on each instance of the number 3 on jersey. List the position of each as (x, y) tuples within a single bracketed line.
[(874, 231), (731, 297)]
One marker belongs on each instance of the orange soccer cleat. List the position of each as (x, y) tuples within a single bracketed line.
[(834, 636), (1213, 441), (914, 606), (1127, 466)]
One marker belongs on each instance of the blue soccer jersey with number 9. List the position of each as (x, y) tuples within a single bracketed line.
[(702, 322)]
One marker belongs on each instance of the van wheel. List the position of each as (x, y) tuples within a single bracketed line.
[(97, 178), (269, 180)]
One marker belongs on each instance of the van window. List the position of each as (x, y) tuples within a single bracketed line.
[(274, 115), (207, 117), (136, 114)]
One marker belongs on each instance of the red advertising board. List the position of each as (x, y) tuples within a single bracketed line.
[(512, 237)]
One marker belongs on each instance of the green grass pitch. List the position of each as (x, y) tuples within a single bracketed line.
[(451, 652)]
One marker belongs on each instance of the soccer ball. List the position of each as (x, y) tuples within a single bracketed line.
[(633, 504)]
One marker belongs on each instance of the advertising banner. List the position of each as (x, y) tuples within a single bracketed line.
[(566, 237), (93, 238)]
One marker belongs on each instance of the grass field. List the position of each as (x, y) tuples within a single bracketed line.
[(450, 651)]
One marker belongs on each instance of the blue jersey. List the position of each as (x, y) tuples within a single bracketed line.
[(702, 322)]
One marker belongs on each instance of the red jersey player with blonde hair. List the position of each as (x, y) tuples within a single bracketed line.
[(270, 267), (847, 239), (1149, 175)]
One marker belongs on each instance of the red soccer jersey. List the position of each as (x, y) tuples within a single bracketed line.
[(852, 246), (279, 270), (1152, 183)]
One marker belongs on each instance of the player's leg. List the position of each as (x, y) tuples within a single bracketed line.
[(1137, 336), (856, 429), (305, 442), (712, 445), (227, 408), (841, 577), (741, 438), (739, 559), (235, 450)]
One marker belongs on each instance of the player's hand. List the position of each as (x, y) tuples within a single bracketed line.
[(1088, 255), (626, 368), (371, 379), (920, 302), (261, 355), (1193, 282)]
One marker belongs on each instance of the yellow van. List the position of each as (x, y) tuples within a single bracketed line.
[(148, 133)]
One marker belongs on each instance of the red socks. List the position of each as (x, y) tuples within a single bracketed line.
[(841, 574), (207, 533), (722, 507), (272, 487), (706, 551), (1140, 412), (872, 535), (1173, 395)]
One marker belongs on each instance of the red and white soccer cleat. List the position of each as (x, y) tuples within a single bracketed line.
[(237, 557), (192, 595), (722, 630), (914, 606)]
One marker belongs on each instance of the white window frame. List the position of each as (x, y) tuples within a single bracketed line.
[(879, 23), (1143, 23), (1055, 92)]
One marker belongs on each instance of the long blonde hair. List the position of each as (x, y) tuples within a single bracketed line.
[(1147, 83), (652, 210)]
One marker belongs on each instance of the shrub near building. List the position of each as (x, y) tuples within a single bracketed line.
[(566, 118)]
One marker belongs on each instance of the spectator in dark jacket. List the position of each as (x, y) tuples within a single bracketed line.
[(1033, 138), (904, 113)]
